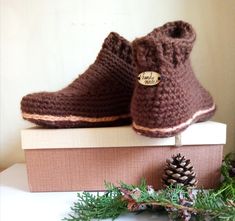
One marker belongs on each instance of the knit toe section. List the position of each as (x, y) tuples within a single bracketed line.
[(38, 103), (66, 104)]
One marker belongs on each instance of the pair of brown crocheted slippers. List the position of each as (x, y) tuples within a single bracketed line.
[(149, 83)]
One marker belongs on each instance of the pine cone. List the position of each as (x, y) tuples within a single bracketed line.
[(179, 171)]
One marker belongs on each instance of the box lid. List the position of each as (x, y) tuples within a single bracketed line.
[(204, 133)]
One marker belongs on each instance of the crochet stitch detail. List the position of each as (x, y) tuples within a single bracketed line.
[(179, 95), (99, 97)]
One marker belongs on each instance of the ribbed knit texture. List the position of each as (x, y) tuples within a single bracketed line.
[(179, 99), (99, 97)]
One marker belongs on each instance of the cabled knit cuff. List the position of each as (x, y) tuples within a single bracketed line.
[(118, 46), (171, 44)]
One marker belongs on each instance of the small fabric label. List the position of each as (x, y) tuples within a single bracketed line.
[(149, 78)]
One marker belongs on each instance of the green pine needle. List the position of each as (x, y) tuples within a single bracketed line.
[(228, 186), (91, 206)]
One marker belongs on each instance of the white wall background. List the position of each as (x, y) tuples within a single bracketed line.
[(45, 44)]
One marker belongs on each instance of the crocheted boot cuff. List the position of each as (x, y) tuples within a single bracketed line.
[(99, 97), (119, 46), (116, 55), (170, 44), (178, 99)]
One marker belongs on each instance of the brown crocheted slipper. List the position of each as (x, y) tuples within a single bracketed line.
[(168, 97), (99, 97)]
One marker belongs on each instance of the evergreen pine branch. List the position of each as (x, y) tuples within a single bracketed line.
[(211, 205), (227, 187), (91, 206), (111, 204)]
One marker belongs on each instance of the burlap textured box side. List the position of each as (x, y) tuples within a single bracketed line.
[(74, 169)]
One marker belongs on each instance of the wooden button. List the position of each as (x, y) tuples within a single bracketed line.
[(149, 78)]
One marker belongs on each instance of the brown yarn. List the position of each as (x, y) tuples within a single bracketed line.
[(99, 97), (179, 99)]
